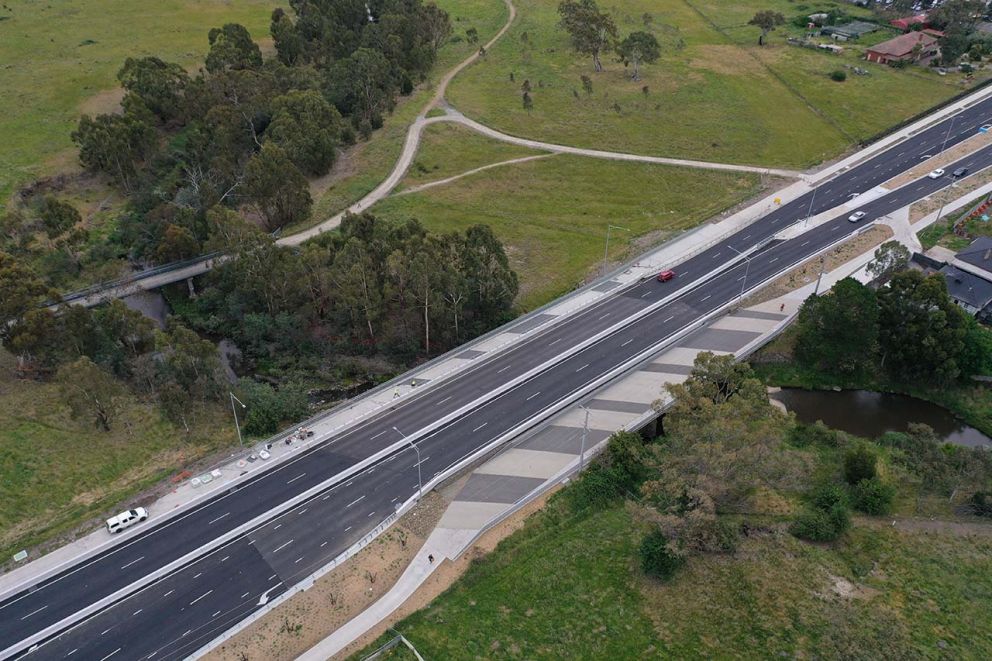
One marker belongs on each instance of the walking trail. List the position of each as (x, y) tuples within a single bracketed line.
[(412, 144)]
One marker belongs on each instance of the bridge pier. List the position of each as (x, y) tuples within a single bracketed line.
[(192, 289)]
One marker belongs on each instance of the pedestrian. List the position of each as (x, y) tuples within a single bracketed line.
[(430, 559), (781, 308)]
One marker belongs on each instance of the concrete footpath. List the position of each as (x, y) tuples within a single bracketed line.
[(553, 452)]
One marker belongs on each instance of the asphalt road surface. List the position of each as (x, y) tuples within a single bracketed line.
[(181, 612)]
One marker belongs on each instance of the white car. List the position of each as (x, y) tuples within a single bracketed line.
[(856, 216), (126, 519), (936, 174)]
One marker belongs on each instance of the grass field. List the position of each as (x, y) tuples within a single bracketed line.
[(56, 472), (571, 588), (60, 59), (363, 167), (552, 214), (717, 97), (448, 149)]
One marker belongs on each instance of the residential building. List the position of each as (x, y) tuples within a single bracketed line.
[(909, 47)]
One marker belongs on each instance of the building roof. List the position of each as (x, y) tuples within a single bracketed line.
[(967, 287), (979, 253), (905, 22), (903, 44), (852, 29)]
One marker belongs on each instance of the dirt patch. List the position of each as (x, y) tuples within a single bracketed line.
[(956, 152), (807, 272), (932, 526), (845, 589), (933, 203), (102, 103), (723, 59)]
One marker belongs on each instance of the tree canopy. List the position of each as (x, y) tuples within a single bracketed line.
[(591, 31)]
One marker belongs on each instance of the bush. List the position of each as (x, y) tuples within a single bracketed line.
[(657, 560), (815, 434), (267, 407), (859, 464), (981, 504), (838, 75), (817, 525), (826, 496), (873, 496), (597, 487)]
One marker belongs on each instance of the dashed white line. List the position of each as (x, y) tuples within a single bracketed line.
[(480, 427), (326, 497), (136, 612), (804, 244), (554, 342), (503, 369), (444, 400), (277, 526), (604, 316), (645, 294), (297, 561), (73, 652), (132, 562), (34, 612), (534, 395), (245, 595), (359, 499), (423, 461), (105, 631), (188, 632), (167, 593), (111, 654), (377, 435), (218, 518), (272, 577), (371, 514), (773, 259), (745, 238), (304, 510), (225, 558), (347, 529), (741, 278), (669, 319), (717, 255), (198, 575), (323, 545), (200, 597), (296, 478), (705, 297), (282, 547), (627, 342)]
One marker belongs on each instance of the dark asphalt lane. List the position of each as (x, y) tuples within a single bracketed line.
[(65, 594)]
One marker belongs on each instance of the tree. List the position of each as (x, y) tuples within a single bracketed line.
[(20, 290), (231, 47), (308, 128), (276, 187), (363, 86), (177, 243), (838, 332), (356, 277), (491, 283), (116, 144), (921, 331), (290, 46), (160, 86), (591, 31), (957, 17), (639, 47), (872, 496), (90, 392), (767, 20), (528, 101), (658, 560), (436, 26), (57, 216), (890, 257)]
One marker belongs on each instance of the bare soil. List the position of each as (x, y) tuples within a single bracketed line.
[(807, 272)]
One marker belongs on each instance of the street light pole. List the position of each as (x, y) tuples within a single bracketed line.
[(237, 425), (948, 134), (747, 266), (606, 253), (420, 480), (809, 212)]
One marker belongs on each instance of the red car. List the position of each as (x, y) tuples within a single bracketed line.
[(665, 276)]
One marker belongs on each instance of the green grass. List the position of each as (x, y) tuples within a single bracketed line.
[(571, 588), (366, 165), (719, 98), (450, 149), (552, 214), (57, 472), (56, 58)]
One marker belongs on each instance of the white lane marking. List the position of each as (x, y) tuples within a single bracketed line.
[(215, 614), (444, 400), (503, 369), (304, 510), (271, 577), (200, 597), (326, 497), (136, 612), (34, 612), (347, 529), (132, 562), (395, 499), (554, 342), (297, 561), (73, 652), (104, 633), (424, 460), (534, 395), (669, 319), (645, 294), (323, 545), (480, 427), (804, 244), (111, 654), (225, 558), (371, 514), (717, 255), (604, 316), (745, 238), (349, 483), (198, 575), (167, 593), (627, 342), (283, 546), (188, 632), (835, 227), (741, 278), (277, 526), (705, 297), (245, 595), (296, 478), (218, 518), (582, 368), (773, 259), (377, 435), (354, 501)]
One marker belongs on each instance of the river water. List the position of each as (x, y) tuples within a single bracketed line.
[(871, 414)]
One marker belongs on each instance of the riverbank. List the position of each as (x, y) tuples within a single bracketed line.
[(776, 366)]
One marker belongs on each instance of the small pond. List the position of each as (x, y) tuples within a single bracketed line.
[(871, 414)]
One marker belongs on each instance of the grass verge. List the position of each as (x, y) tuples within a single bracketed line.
[(552, 214)]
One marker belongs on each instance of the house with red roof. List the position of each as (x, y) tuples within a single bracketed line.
[(909, 47)]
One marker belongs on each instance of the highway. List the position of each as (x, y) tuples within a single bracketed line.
[(178, 614)]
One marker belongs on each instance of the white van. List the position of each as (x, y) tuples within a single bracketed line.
[(126, 519)]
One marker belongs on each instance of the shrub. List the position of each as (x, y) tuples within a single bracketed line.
[(597, 487), (838, 75), (859, 464), (981, 504), (657, 560), (826, 496), (873, 496), (815, 434), (816, 525)]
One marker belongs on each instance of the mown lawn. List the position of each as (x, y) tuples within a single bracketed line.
[(570, 588), (552, 214), (713, 95), (57, 472), (60, 59), (448, 149)]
